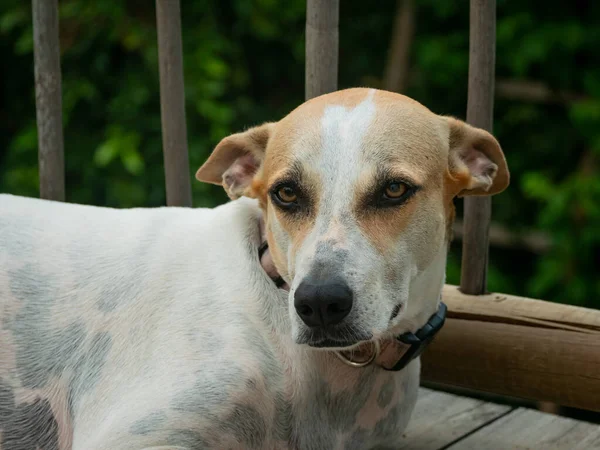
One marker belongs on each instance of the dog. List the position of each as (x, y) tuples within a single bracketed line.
[(288, 318)]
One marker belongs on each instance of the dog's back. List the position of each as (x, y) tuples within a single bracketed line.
[(94, 298)]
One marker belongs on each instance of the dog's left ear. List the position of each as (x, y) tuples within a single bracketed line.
[(236, 159), (476, 162)]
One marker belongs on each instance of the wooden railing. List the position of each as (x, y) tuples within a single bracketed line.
[(48, 99), (49, 104), (480, 113), (496, 343), (172, 104)]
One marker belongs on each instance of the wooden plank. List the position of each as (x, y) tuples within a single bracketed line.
[(172, 104), (556, 365), (440, 419), (480, 107), (48, 99), (322, 42), (528, 429), (497, 357), (503, 308)]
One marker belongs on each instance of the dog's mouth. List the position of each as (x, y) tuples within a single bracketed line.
[(330, 343), (329, 339)]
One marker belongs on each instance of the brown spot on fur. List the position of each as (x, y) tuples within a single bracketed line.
[(297, 227), (385, 225), (450, 216), (258, 190), (300, 133), (300, 232), (277, 255), (457, 133), (455, 183)]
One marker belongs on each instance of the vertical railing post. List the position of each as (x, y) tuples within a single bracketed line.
[(172, 104), (480, 106), (396, 73), (322, 44), (48, 99)]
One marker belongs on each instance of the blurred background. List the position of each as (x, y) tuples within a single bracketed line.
[(244, 64)]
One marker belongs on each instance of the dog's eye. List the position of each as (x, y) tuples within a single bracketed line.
[(395, 193), (286, 194), (395, 190)]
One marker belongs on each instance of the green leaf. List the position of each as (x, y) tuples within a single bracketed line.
[(536, 185), (132, 161), (105, 153)]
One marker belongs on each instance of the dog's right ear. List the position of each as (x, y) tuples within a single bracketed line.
[(236, 159), (476, 162)]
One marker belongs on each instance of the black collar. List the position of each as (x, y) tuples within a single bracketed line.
[(418, 341), (413, 343)]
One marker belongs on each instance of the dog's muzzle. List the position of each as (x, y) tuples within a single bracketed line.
[(393, 354)]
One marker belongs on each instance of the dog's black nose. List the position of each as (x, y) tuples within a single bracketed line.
[(322, 303)]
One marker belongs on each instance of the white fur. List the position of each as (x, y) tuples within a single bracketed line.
[(194, 321)]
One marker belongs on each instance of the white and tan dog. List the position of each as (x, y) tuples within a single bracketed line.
[(160, 328)]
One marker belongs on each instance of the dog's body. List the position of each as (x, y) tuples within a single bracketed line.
[(159, 328), (148, 327)]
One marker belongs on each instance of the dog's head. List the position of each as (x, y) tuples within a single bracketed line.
[(357, 190)]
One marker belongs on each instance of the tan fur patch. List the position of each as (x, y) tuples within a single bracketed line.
[(258, 190), (410, 142), (382, 226), (297, 226), (279, 258), (403, 137), (453, 184), (450, 214), (298, 130)]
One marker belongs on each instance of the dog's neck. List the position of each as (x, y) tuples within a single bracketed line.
[(391, 350)]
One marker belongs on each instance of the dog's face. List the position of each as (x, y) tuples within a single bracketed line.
[(357, 190)]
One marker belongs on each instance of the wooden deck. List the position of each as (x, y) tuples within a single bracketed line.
[(443, 421)]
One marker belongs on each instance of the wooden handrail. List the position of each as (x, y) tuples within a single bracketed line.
[(518, 347)]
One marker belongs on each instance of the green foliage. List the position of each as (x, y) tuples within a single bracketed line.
[(244, 64)]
